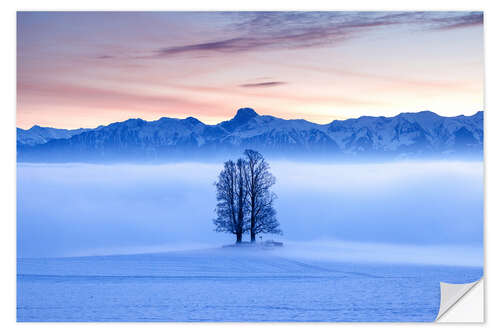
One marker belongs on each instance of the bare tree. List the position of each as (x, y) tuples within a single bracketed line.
[(231, 199), (260, 199), (265, 215), (241, 192)]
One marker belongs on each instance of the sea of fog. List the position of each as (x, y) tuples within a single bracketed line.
[(407, 212)]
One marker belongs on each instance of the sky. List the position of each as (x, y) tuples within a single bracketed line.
[(85, 69)]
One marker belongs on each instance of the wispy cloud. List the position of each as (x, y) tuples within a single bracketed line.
[(228, 45), (263, 84), (471, 19), (105, 56), (250, 31)]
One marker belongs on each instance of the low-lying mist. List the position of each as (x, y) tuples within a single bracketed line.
[(85, 209)]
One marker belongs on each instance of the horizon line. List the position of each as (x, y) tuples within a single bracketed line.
[(260, 115)]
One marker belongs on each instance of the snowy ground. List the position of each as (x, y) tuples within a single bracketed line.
[(228, 285)]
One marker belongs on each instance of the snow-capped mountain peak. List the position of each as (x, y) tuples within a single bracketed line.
[(407, 134)]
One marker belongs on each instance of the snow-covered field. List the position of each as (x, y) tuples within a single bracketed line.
[(363, 242), (228, 285)]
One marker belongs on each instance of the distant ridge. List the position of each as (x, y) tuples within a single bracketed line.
[(37, 135), (421, 134)]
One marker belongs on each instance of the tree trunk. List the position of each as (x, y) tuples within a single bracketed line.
[(238, 237), (252, 222)]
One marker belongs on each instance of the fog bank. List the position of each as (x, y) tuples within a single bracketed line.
[(81, 209)]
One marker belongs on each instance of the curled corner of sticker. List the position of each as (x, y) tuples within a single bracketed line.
[(451, 293)]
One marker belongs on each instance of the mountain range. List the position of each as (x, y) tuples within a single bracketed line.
[(412, 135)]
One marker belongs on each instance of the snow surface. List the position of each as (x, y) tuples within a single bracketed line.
[(227, 284)]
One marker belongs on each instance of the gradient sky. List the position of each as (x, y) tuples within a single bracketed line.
[(84, 69)]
